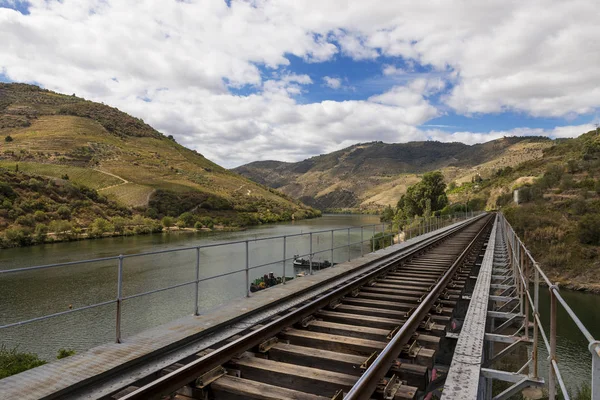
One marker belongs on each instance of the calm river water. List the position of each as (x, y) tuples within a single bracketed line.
[(31, 294)]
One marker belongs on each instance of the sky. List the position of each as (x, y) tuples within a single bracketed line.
[(242, 81)]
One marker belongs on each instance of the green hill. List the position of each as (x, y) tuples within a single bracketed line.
[(127, 162), (373, 175)]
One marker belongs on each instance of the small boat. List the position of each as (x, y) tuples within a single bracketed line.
[(303, 263), (266, 281)]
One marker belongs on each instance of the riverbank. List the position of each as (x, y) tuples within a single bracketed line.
[(54, 237)]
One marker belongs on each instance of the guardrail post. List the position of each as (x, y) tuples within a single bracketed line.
[(536, 302), (119, 298), (196, 310), (283, 277), (373, 239), (595, 349), (247, 271), (551, 374), (526, 285), (348, 244), (310, 259), (383, 234), (332, 246), (521, 277), (362, 244)]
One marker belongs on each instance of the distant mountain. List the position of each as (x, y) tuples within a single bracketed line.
[(372, 175), (70, 140)]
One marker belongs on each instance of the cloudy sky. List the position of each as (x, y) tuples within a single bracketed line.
[(241, 81)]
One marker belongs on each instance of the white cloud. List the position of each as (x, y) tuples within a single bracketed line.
[(334, 83), (390, 70), (191, 58)]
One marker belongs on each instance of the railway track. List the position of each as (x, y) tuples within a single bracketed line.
[(375, 336)]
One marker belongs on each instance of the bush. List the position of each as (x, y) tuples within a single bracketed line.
[(187, 218), (13, 362), (99, 227), (41, 230), (167, 222), (588, 229), (198, 226), (18, 236), (26, 220), (119, 224), (64, 353), (64, 212), (39, 216), (61, 228), (8, 138)]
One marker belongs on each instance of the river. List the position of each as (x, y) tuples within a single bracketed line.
[(31, 294)]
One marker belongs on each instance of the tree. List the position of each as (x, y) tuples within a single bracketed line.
[(64, 212), (41, 230), (428, 195), (387, 215), (187, 218), (119, 224), (589, 229), (167, 222), (8, 139), (100, 226)]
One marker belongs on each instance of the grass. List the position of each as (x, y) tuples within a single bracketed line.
[(85, 176), (13, 362)]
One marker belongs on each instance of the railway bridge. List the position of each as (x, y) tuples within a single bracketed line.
[(449, 309)]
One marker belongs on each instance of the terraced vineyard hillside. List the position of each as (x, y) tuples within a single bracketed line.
[(64, 137)]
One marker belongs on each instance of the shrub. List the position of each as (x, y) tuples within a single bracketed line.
[(119, 224), (588, 229), (61, 228), (187, 218), (13, 362), (7, 191), (64, 212), (99, 227), (26, 220), (39, 216), (167, 222), (64, 353), (8, 138)]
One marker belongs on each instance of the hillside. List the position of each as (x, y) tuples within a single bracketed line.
[(66, 138), (558, 215), (373, 175)]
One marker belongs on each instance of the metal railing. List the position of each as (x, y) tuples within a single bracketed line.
[(409, 229), (524, 266)]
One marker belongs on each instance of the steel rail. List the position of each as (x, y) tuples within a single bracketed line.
[(367, 383), (187, 373)]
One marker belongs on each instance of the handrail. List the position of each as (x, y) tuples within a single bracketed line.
[(521, 260), (423, 226)]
